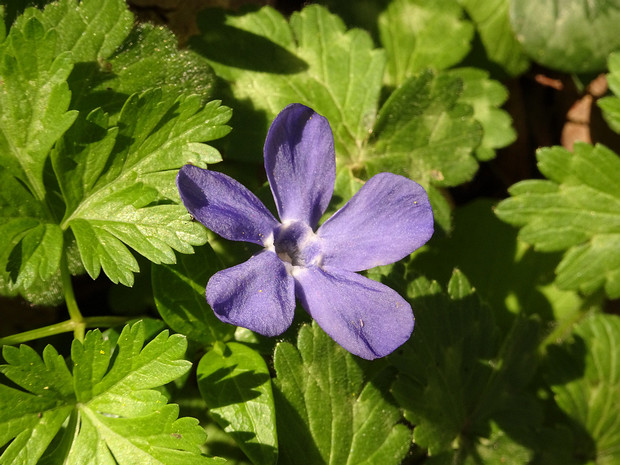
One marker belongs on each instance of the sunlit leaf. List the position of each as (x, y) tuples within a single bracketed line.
[(327, 409), (114, 413), (577, 210)]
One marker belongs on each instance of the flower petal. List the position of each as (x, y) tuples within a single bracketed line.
[(385, 221), (365, 317), (224, 206), (257, 294), (300, 163)]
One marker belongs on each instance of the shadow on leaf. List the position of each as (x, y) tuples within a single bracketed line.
[(241, 49), (220, 389)]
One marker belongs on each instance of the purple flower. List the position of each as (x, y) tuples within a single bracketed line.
[(385, 221)]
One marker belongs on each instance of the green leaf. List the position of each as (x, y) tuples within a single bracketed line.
[(179, 293), (148, 58), (90, 30), (30, 247), (486, 96), (112, 186), (313, 61), (235, 383), (500, 43), (34, 101), (577, 210), (435, 126), (327, 409), (116, 59), (115, 415), (413, 33), (32, 417), (524, 284), (2, 23), (611, 105), (575, 38), (130, 202), (590, 398), (457, 357), (423, 130)]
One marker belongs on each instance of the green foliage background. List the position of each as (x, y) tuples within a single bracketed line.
[(514, 356)]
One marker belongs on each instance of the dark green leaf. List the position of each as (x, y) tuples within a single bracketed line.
[(590, 398), (457, 357), (235, 383), (179, 292), (507, 273)]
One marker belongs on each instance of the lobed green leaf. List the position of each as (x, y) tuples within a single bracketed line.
[(34, 101), (105, 411), (461, 360), (328, 409), (179, 293), (419, 35), (235, 383), (589, 397), (313, 61), (576, 209), (93, 184), (424, 130), (507, 273), (486, 96), (130, 202)]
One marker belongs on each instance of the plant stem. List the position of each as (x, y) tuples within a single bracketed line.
[(65, 326), (76, 322), (74, 311)]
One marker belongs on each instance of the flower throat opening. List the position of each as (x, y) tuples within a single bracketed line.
[(296, 243)]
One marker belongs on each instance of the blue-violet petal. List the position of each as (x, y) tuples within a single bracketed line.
[(225, 206), (257, 294), (300, 163), (384, 222), (365, 317)]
